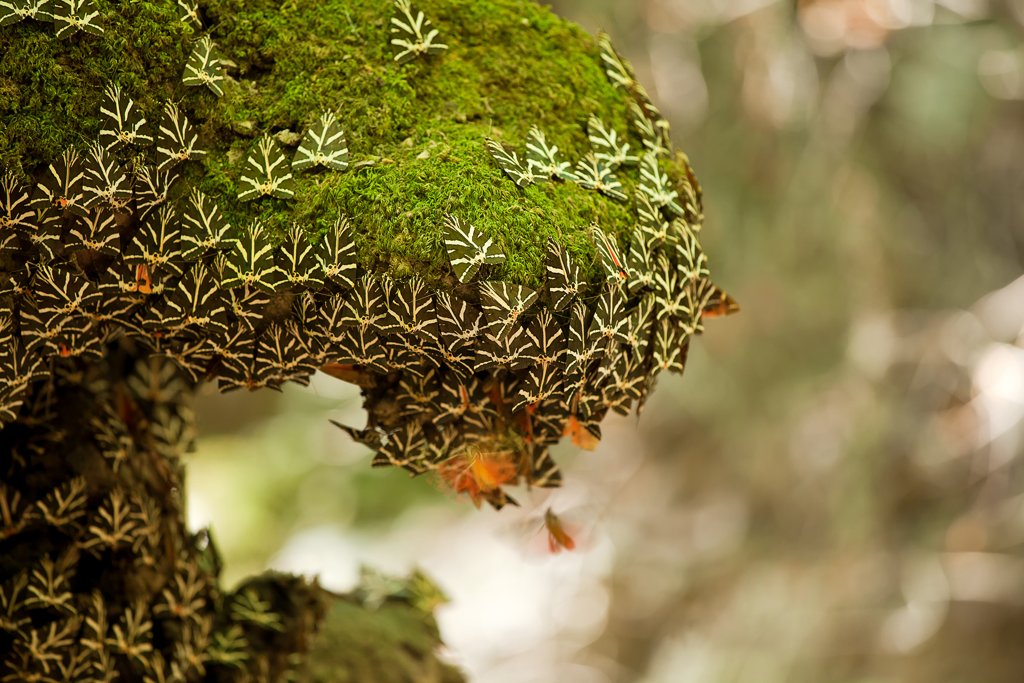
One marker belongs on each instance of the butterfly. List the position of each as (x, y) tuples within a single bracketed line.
[(559, 537), (72, 16), (521, 174), (267, 175), (607, 147), (563, 277), (323, 145), (123, 122), (608, 252), (204, 67), (503, 304), (594, 174), (468, 248), (416, 34), (544, 158), (176, 140), (654, 184)]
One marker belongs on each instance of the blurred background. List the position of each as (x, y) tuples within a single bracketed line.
[(834, 492)]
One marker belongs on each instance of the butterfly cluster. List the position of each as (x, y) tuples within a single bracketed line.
[(268, 173), (60, 619), (120, 288), (472, 380), (123, 286), (66, 17)]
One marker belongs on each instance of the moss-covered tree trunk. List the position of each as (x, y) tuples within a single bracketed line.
[(245, 192), (103, 581)]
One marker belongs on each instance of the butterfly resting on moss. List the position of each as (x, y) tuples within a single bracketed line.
[(416, 36)]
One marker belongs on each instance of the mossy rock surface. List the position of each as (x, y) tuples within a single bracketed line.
[(416, 131)]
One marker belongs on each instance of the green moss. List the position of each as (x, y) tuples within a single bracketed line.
[(511, 64)]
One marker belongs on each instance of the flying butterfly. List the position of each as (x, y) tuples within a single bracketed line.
[(521, 174), (559, 536), (544, 159), (251, 261), (468, 248), (654, 184), (480, 471), (323, 145), (503, 304), (204, 67), (594, 174), (584, 423), (415, 34), (176, 141), (563, 277), (607, 147), (123, 122), (268, 175), (72, 16), (716, 303)]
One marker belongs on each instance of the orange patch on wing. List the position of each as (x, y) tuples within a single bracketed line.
[(580, 436)]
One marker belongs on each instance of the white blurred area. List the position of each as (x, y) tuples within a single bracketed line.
[(518, 612)]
